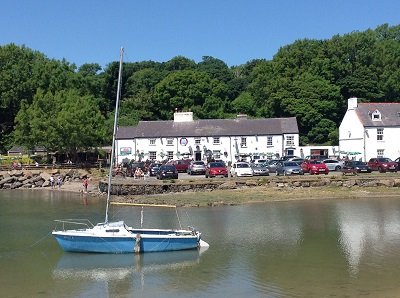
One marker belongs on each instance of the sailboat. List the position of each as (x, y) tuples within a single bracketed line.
[(117, 237)]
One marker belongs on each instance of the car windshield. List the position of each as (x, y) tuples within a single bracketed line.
[(168, 168), (198, 163), (290, 164), (216, 165), (384, 160), (358, 163), (315, 161), (242, 165)]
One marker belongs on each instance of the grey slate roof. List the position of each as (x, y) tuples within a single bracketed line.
[(390, 114), (210, 127)]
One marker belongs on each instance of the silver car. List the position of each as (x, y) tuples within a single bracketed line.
[(196, 167), (260, 169), (287, 168), (333, 164)]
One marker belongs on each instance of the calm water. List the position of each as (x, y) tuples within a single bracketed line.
[(336, 248)]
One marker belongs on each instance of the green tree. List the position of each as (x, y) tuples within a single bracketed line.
[(63, 121), (184, 90)]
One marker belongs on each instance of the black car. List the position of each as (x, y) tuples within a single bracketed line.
[(355, 166), (153, 168), (167, 172)]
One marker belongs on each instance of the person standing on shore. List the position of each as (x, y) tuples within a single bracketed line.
[(52, 182), (85, 185), (59, 182)]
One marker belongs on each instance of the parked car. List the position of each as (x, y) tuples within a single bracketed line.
[(241, 169), (260, 169), (153, 168), (181, 165), (382, 164), (214, 169), (288, 157), (287, 168), (314, 166), (317, 157), (271, 165), (355, 166), (196, 167), (397, 160), (333, 164), (297, 160), (167, 171), (258, 161)]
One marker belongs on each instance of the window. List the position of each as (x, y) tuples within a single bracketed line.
[(170, 154), (243, 142), (170, 142), (379, 134), (270, 155), (216, 141), (152, 155), (197, 141), (217, 154), (269, 141), (376, 115), (380, 152), (152, 142), (289, 140)]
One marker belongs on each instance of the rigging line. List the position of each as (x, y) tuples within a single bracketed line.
[(188, 218), (179, 220), (41, 239)]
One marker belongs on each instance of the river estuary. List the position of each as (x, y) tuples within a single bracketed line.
[(315, 248)]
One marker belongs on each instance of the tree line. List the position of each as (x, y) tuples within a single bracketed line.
[(65, 108)]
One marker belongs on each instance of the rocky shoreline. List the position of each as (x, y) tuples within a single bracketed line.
[(71, 180), (209, 192)]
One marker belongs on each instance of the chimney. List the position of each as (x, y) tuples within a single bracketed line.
[(241, 116), (352, 103), (183, 116)]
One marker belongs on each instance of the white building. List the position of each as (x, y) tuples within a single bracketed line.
[(226, 139), (370, 130)]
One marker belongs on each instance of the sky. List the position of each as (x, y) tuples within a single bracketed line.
[(236, 31)]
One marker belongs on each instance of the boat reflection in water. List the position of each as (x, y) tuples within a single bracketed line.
[(120, 266)]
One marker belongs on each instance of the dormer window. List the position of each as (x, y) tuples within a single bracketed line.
[(376, 116)]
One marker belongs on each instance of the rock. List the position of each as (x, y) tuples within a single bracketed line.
[(384, 182), (227, 185), (7, 180), (251, 183), (16, 184), (45, 176), (22, 178), (16, 173), (349, 183)]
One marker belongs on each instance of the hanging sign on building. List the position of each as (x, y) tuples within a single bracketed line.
[(183, 141), (125, 151)]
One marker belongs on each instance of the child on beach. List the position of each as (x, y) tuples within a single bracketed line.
[(85, 184)]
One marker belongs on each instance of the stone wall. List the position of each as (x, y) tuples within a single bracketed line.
[(133, 187)]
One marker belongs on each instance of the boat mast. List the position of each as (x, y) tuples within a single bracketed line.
[(114, 132)]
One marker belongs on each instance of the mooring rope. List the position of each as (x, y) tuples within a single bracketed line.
[(40, 240)]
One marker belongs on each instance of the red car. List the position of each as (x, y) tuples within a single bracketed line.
[(181, 165), (214, 169), (382, 164), (314, 166)]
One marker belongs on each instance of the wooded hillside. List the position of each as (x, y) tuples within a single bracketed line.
[(52, 103)]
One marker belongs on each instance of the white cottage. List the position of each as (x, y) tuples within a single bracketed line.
[(370, 130), (226, 139)]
